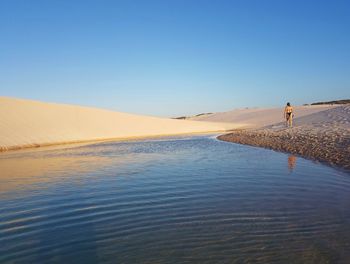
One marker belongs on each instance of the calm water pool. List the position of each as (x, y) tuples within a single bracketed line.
[(172, 200)]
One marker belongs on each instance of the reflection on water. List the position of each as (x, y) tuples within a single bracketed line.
[(291, 162), (30, 169), (171, 201)]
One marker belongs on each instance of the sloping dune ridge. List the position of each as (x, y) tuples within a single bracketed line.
[(260, 117), (27, 123)]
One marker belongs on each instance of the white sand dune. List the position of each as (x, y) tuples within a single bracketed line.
[(335, 117), (26, 123), (259, 117)]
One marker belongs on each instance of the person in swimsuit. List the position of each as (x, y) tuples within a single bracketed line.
[(288, 115)]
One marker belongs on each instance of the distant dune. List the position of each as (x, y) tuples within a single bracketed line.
[(26, 123), (259, 117), (337, 102)]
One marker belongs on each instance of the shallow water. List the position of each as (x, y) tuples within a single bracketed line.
[(172, 200)]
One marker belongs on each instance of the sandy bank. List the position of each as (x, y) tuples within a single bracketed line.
[(323, 136), (26, 123)]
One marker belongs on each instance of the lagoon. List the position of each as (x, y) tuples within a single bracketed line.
[(170, 200)]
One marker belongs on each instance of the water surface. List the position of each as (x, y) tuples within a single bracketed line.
[(171, 200)]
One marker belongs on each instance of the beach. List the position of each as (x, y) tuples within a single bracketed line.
[(320, 132), (323, 136)]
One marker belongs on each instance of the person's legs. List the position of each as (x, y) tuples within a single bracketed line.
[(290, 120), (287, 120)]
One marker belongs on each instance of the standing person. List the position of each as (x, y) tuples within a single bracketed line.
[(288, 115)]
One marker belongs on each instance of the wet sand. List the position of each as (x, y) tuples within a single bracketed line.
[(323, 137)]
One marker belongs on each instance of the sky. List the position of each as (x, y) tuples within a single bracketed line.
[(175, 57)]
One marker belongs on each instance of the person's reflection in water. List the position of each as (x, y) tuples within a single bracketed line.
[(291, 162)]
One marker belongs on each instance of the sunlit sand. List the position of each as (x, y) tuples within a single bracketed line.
[(26, 123)]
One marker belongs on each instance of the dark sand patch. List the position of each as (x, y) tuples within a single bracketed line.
[(324, 137)]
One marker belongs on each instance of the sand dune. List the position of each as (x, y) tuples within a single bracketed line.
[(26, 123), (259, 117)]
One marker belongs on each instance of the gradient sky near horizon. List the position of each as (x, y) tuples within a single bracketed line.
[(175, 57)]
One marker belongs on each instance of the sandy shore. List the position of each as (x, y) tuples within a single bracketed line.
[(27, 123), (321, 132), (322, 136)]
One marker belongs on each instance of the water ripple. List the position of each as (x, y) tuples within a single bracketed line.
[(168, 201)]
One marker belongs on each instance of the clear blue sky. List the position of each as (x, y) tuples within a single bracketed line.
[(175, 57)]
